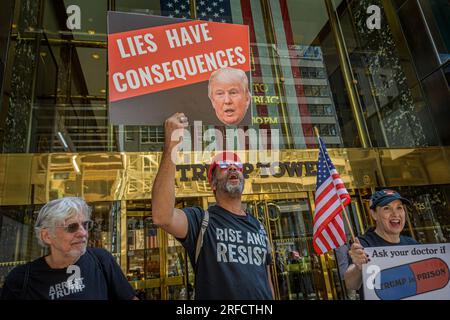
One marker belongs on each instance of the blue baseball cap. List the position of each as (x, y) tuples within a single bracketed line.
[(385, 196)]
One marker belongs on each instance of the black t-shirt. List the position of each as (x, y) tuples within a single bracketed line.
[(95, 276), (234, 257), (372, 239)]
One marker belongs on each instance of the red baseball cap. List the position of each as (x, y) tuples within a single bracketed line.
[(222, 156)]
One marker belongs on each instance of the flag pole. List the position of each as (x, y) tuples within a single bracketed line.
[(344, 210)]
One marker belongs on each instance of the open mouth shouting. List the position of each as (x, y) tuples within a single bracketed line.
[(233, 177), (395, 223)]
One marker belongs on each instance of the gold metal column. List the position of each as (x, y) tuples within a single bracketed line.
[(205, 203), (347, 74), (323, 263), (193, 8), (408, 222), (358, 214), (162, 237), (123, 236), (273, 266), (326, 277), (48, 177)]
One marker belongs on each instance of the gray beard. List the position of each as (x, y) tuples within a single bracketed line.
[(77, 253), (233, 191)]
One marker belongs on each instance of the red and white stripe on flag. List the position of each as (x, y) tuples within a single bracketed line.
[(329, 232)]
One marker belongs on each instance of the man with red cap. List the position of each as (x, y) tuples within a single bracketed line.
[(228, 248)]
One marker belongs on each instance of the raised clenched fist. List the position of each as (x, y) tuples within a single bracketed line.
[(173, 128)]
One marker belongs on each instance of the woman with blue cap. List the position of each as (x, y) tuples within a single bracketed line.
[(387, 208)]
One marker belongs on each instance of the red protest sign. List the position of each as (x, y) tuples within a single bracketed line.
[(155, 59)]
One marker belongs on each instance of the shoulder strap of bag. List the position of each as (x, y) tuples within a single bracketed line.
[(201, 234), (25, 281)]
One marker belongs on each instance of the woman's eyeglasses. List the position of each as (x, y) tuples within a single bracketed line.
[(75, 226)]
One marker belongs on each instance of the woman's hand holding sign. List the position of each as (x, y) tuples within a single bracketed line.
[(353, 275), (358, 255)]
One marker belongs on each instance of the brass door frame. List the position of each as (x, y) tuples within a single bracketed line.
[(325, 270), (273, 272), (123, 236), (267, 200), (163, 262), (349, 80)]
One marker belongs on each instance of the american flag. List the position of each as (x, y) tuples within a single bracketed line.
[(329, 232), (210, 10)]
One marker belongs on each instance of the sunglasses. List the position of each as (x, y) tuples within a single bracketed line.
[(227, 164), (74, 227)]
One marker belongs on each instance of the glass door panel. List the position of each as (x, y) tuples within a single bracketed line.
[(290, 226), (144, 255), (175, 281), (177, 273)]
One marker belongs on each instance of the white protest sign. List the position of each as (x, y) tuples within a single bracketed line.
[(419, 272)]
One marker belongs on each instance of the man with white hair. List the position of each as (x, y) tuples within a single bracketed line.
[(71, 271), (229, 94)]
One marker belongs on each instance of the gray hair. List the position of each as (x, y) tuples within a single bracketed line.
[(229, 71), (57, 211)]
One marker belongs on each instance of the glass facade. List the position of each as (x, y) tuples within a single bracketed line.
[(379, 98)]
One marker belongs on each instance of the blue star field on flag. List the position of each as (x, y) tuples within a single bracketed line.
[(323, 172), (209, 10)]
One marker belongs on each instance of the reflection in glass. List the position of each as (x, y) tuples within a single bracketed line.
[(175, 257), (437, 15), (18, 243), (143, 254), (429, 213), (395, 112)]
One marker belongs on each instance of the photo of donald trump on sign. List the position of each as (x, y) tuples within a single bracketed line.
[(229, 94)]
